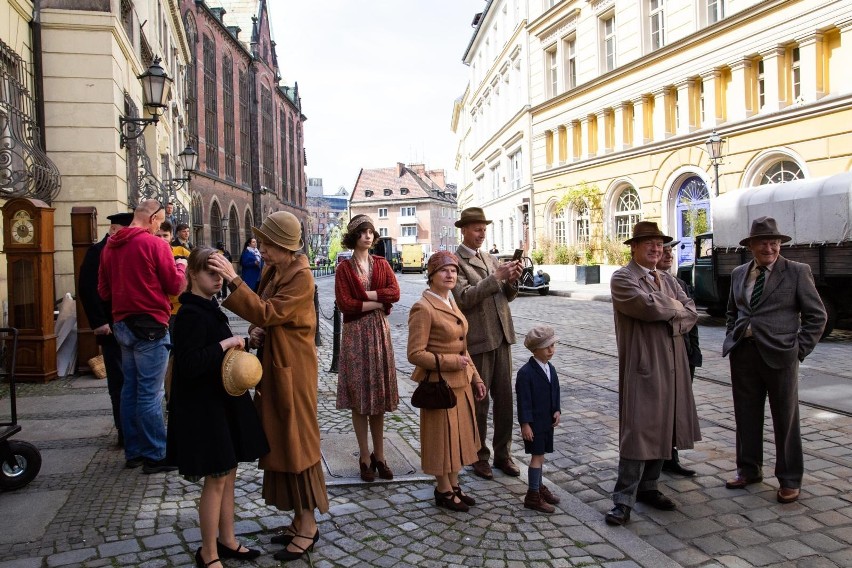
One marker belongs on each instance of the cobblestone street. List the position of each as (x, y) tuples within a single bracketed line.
[(84, 509)]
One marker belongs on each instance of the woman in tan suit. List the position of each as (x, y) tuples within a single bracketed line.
[(449, 439), (283, 326)]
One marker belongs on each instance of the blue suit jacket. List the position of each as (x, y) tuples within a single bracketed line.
[(537, 398)]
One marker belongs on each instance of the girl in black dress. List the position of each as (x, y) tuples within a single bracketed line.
[(209, 431)]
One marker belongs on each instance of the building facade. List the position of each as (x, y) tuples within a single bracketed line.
[(245, 124), (624, 94), (493, 125), (324, 214), (410, 204)]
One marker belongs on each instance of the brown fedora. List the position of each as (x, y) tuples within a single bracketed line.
[(647, 230), (472, 215), (764, 228), (282, 229), (240, 371)]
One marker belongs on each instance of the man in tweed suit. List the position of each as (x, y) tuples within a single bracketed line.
[(483, 292), (775, 318)]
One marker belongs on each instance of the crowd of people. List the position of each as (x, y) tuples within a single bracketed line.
[(159, 296)]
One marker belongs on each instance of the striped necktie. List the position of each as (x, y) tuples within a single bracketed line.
[(758, 286), (655, 278)]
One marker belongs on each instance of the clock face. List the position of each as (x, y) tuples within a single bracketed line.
[(23, 231)]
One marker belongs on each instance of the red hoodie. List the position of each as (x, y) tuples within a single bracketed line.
[(138, 272)]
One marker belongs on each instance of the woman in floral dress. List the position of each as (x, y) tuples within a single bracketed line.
[(365, 289)]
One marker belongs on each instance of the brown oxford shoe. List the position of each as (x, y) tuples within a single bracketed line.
[(548, 497), (740, 482), (483, 469), (508, 467), (788, 495), (533, 501)]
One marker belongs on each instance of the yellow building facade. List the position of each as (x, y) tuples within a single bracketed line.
[(624, 94)]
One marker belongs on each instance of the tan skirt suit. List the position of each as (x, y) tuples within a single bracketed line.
[(449, 439)]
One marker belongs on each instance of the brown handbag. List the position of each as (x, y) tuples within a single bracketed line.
[(433, 395)]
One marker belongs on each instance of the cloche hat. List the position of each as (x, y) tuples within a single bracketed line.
[(282, 229)]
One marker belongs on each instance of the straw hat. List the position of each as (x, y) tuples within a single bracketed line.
[(283, 229), (472, 215), (764, 228), (647, 230), (240, 371)]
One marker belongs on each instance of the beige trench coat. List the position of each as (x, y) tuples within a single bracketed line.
[(286, 397), (449, 439), (656, 407)]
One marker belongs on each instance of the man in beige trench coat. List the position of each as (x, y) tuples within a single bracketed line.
[(656, 408)]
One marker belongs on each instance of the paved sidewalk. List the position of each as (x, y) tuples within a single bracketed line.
[(84, 509)]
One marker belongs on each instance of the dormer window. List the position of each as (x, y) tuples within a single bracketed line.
[(403, 191), (388, 191), (368, 192)]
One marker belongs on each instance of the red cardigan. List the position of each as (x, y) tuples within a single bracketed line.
[(351, 295)]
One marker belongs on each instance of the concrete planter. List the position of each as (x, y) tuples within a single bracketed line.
[(569, 272), (588, 274)]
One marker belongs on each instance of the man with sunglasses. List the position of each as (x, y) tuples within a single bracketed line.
[(137, 274)]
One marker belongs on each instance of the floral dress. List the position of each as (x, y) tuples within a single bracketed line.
[(366, 368)]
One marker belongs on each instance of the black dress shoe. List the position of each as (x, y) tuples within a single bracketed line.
[(287, 555), (225, 552), (618, 515), (157, 466), (673, 466), (200, 563), (133, 463), (656, 500)]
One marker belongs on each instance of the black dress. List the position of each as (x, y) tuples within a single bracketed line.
[(209, 430)]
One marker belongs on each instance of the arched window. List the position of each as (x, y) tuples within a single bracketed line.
[(249, 222), (559, 226), (211, 117), (234, 231), (191, 82), (782, 171), (215, 223), (197, 220), (628, 212), (582, 229)]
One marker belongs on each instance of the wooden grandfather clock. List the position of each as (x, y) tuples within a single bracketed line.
[(28, 245)]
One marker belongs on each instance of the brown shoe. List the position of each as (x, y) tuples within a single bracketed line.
[(788, 494), (534, 501), (508, 467), (548, 496), (740, 482), (380, 467), (483, 469), (366, 472)]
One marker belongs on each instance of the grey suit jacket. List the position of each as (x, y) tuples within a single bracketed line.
[(484, 300), (788, 320)]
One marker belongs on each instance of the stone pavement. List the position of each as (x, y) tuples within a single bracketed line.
[(84, 509)]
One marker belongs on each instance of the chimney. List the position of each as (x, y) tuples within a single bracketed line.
[(438, 176), (419, 169), (400, 169)]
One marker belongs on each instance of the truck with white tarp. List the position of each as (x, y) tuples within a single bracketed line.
[(816, 213)]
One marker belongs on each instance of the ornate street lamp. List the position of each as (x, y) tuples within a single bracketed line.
[(155, 91), (714, 149), (189, 162)]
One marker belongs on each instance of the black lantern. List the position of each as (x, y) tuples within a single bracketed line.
[(714, 149), (155, 91)]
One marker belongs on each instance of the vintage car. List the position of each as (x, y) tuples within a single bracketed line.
[(530, 283)]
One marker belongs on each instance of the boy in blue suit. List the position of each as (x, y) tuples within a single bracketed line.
[(537, 395)]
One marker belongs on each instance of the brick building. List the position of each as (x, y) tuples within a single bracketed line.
[(408, 203), (246, 126)]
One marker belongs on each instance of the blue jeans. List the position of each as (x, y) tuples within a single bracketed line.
[(144, 365)]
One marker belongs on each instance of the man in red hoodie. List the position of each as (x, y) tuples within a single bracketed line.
[(137, 274)]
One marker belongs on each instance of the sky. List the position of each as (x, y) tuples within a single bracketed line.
[(377, 79)]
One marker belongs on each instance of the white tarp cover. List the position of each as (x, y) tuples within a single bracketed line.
[(812, 211)]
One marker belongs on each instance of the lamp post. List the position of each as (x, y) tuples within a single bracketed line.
[(155, 92), (714, 149)]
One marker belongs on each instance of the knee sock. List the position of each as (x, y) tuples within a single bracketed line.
[(535, 478)]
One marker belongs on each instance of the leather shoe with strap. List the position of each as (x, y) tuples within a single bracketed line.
[(618, 515), (483, 469), (508, 467), (656, 500), (740, 482), (788, 494)]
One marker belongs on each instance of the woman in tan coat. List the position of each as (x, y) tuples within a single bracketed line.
[(283, 325), (437, 329)]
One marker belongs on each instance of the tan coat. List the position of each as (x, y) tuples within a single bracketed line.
[(286, 397), (656, 407), (449, 439)]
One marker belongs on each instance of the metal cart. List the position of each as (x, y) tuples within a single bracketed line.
[(20, 462)]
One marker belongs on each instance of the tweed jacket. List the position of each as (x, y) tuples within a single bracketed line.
[(484, 300), (286, 397), (434, 327), (787, 321), (656, 406)]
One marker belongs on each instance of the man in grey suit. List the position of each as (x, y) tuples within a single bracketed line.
[(483, 292), (775, 318)]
